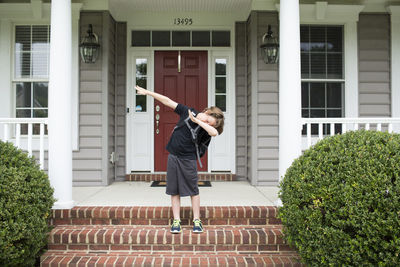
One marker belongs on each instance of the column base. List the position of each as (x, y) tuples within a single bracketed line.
[(63, 205)]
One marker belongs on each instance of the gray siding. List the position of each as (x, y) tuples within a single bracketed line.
[(267, 107), (112, 64), (374, 65), (87, 162), (121, 100), (262, 104), (241, 98), (248, 101)]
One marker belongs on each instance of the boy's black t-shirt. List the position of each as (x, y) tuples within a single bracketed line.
[(180, 144)]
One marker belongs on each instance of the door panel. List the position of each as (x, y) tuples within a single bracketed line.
[(188, 87)]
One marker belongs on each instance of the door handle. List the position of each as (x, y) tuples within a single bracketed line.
[(157, 123)]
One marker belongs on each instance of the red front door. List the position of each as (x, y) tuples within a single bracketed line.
[(187, 85)]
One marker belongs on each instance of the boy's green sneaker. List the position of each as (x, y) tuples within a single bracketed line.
[(176, 226), (197, 226)]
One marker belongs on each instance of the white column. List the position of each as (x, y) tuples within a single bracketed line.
[(5, 71), (351, 69), (289, 85), (395, 90), (60, 147)]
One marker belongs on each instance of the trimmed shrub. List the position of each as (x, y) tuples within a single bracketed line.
[(26, 199), (341, 201)]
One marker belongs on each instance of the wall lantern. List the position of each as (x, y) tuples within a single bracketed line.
[(269, 48), (89, 46)]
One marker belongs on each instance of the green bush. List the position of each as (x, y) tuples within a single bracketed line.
[(26, 199), (341, 201)]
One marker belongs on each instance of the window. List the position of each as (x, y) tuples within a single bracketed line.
[(141, 80), (31, 72), (322, 84), (220, 83), (181, 38)]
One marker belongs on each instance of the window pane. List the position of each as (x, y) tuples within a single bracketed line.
[(334, 37), (220, 85), (40, 38), (40, 96), (40, 113), (140, 38), (22, 65), (334, 95), (22, 38), (220, 66), (200, 38), (317, 113), (317, 38), (141, 66), (317, 95), (304, 38), (40, 65), (181, 38), (334, 66), (23, 95), (220, 101), (23, 113), (221, 38), (305, 113), (160, 38), (304, 95), (142, 82), (305, 65), (141, 105), (318, 65)]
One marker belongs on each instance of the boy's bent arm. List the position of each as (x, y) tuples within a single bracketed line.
[(208, 128), (162, 98)]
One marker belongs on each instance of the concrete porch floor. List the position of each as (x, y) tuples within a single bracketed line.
[(232, 193)]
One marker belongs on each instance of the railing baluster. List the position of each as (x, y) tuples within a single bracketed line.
[(30, 139), (367, 126), (355, 126), (320, 132), (390, 128), (332, 132), (18, 135), (344, 127), (379, 127), (6, 131), (41, 150), (308, 135)]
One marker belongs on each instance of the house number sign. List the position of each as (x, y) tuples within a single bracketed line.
[(183, 21)]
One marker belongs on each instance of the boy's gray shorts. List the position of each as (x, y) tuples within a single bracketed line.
[(182, 176)]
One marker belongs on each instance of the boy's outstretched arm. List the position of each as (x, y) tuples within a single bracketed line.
[(162, 98)]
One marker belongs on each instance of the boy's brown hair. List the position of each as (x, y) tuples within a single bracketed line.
[(219, 117)]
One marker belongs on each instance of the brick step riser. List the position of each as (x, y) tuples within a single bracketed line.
[(149, 177), (136, 236), (184, 222), (174, 248), (170, 260), (160, 215)]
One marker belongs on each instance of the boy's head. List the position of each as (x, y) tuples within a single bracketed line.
[(214, 117)]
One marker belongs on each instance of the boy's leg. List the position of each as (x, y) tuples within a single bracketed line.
[(176, 206), (196, 206)]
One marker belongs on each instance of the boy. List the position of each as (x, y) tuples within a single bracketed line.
[(182, 165)]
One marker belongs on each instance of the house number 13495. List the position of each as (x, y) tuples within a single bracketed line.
[(183, 21)]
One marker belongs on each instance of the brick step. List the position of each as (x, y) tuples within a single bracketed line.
[(211, 215), (149, 177), (153, 238), (60, 259)]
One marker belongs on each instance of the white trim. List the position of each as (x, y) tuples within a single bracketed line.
[(395, 61)]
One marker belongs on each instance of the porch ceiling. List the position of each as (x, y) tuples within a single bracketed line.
[(182, 5)]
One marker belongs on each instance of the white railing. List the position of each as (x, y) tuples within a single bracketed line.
[(347, 124), (12, 132)]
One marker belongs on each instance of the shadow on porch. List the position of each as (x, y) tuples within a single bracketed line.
[(221, 193)]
